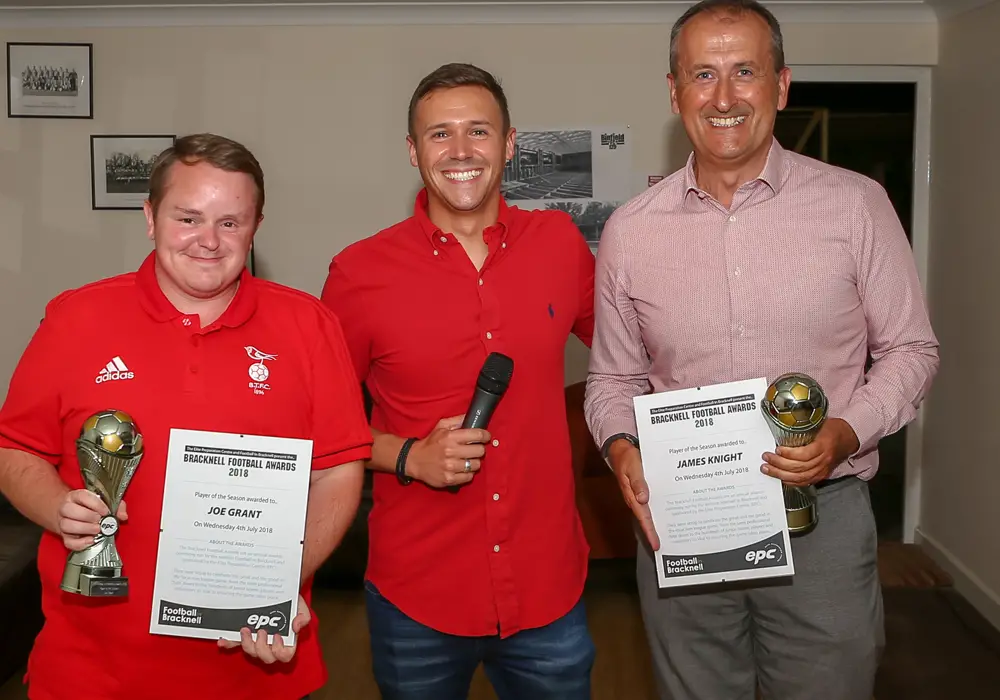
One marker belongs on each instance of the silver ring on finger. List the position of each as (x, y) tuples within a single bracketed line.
[(468, 466)]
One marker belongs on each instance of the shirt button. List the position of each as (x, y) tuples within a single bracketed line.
[(732, 218), (496, 548), (435, 252), (496, 443), (489, 335), (480, 283), (736, 272), (186, 322), (503, 245), (443, 239), (496, 497)]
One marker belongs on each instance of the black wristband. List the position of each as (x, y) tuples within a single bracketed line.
[(618, 436), (401, 462)]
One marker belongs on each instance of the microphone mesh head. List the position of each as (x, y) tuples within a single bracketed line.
[(496, 373)]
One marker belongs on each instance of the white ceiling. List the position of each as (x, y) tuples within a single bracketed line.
[(942, 8), (122, 13)]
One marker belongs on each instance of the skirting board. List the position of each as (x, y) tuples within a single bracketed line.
[(972, 588)]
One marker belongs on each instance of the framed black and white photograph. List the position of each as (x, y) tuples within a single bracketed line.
[(120, 168), (50, 81), (550, 165)]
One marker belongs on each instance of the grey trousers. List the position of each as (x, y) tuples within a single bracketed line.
[(818, 637)]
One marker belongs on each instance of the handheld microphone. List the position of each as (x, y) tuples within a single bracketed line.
[(494, 378)]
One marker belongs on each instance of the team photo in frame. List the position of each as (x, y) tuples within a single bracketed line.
[(120, 167), (50, 80)]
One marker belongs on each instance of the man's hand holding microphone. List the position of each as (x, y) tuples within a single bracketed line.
[(449, 456), (452, 453)]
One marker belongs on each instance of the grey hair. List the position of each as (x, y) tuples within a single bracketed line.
[(734, 7)]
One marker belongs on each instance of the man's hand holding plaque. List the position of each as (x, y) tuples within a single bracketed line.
[(254, 641)]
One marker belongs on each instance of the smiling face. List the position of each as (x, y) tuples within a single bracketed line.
[(460, 146), (726, 89), (202, 229)]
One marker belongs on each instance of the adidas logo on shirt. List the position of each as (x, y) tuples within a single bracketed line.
[(115, 369)]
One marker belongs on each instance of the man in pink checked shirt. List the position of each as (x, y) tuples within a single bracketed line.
[(750, 262)]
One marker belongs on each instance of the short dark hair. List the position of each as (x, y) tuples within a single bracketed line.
[(733, 7), (218, 151), (453, 75)]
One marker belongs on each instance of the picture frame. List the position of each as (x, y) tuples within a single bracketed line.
[(50, 80), (120, 165)]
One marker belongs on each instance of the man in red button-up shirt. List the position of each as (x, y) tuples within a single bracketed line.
[(492, 571), (177, 344)]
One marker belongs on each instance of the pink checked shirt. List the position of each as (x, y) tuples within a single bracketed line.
[(808, 271)]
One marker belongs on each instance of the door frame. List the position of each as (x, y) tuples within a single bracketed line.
[(920, 76)]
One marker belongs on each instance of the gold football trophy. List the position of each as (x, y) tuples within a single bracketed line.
[(795, 407), (109, 450)]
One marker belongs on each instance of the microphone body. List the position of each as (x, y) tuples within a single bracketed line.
[(481, 408), (492, 383), (494, 378)]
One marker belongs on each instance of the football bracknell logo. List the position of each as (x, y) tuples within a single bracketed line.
[(113, 371), (258, 370)]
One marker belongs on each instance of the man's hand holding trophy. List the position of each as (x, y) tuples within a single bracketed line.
[(109, 450), (809, 444)]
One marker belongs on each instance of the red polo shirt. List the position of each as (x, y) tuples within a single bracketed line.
[(507, 552), (120, 343)]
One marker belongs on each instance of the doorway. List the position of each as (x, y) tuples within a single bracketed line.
[(869, 128)]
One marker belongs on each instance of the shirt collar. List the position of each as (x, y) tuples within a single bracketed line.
[(771, 175), (156, 304), (433, 231)]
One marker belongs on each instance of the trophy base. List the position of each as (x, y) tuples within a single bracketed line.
[(105, 582), (800, 510)]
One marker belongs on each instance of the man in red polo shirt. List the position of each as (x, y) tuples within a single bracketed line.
[(492, 571), (180, 334)]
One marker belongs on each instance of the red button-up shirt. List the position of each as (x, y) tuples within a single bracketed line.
[(119, 343), (507, 552)]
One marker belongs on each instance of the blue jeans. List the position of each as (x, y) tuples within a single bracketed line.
[(414, 662)]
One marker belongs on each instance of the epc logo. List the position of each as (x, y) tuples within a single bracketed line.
[(274, 621), (770, 555)]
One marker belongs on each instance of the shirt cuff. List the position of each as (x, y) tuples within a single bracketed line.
[(867, 426), (614, 426)]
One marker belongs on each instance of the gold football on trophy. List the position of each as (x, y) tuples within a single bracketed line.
[(796, 401), (113, 432)]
